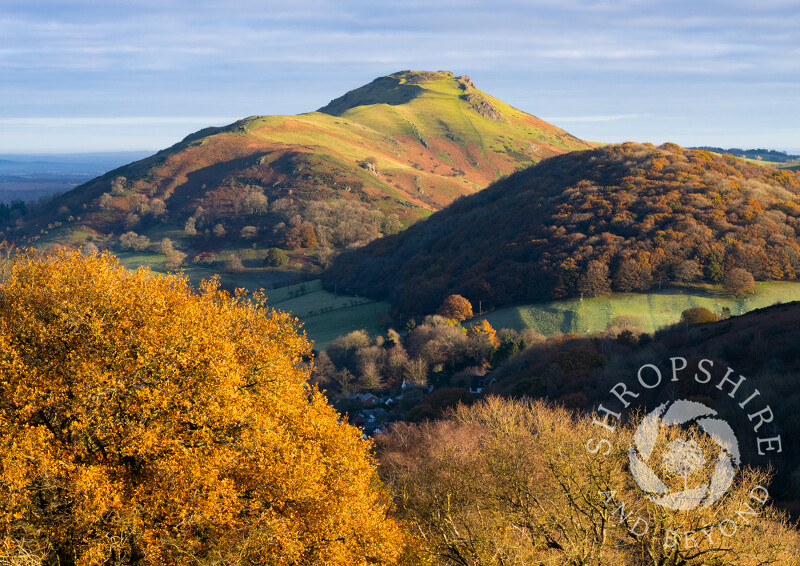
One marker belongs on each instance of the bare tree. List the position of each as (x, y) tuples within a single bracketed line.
[(514, 482)]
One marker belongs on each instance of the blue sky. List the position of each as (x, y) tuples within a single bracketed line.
[(80, 75)]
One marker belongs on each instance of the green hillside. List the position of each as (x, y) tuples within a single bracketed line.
[(369, 164), (654, 310)]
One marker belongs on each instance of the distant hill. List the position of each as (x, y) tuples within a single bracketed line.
[(29, 177), (620, 218), (369, 163), (88, 165), (757, 154)]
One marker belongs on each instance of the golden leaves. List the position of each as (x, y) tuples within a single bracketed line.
[(142, 420)]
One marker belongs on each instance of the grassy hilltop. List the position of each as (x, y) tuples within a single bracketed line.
[(369, 163)]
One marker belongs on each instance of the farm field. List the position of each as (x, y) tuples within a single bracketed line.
[(251, 278), (656, 309), (326, 316)]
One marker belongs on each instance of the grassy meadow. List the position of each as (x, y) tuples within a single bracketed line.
[(326, 316), (656, 309)]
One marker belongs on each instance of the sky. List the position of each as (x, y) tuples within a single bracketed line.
[(86, 75)]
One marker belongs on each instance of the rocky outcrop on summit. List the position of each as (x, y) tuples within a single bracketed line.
[(395, 149), (482, 106)]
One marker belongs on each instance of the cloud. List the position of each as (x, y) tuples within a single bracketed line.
[(76, 121), (602, 61), (607, 118)]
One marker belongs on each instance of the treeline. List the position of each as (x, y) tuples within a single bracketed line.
[(300, 202), (628, 217), (760, 153)]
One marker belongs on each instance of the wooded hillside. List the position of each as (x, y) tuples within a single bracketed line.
[(620, 218)]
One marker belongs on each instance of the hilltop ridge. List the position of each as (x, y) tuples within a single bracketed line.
[(370, 162)]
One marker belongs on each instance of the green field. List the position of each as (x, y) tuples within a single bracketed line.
[(656, 309), (325, 316), (251, 278)]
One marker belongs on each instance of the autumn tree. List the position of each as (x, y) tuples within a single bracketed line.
[(158, 207), (697, 315), (190, 227), (416, 371), (132, 220), (133, 241), (233, 263), (165, 246), (628, 276), (248, 232), (482, 339), (595, 282), (343, 350), (688, 270), (513, 482), (104, 201), (252, 201), (88, 249), (438, 341), (484, 329), (739, 282), (368, 362), (142, 422), (118, 186), (308, 238), (455, 307), (173, 260)]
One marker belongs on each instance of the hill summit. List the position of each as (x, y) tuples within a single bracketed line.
[(403, 87), (368, 163)]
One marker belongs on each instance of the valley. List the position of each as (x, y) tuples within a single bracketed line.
[(355, 283), (423, 265)]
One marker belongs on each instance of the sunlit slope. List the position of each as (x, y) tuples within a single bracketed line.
[(630, 217), (406, 144)]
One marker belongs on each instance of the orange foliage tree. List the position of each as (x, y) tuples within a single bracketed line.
[(484, 329), (455, 307), (141, 422)]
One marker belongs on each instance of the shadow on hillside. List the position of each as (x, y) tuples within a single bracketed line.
[(200, 181), (384, 90)]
